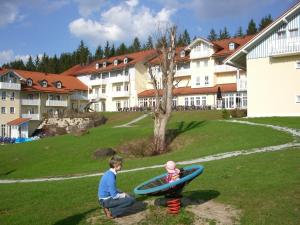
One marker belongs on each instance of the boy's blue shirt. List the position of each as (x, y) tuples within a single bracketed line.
[(107, 185)]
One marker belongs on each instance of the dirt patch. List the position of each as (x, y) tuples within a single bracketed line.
[(205, 213)]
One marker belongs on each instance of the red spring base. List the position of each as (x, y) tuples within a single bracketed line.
[(173, 206)]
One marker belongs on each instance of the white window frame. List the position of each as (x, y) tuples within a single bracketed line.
[(58, 85), (29, 82), (198, 101), (204, 101), (3, 95), (118, 88), (297, 98), (231, 46), (206, 80), (12, 96), (3, 110), (182, 54), (44, 83), (281, 34), (295, 33), (298, 65), (104, 64), (115, 62), (205, 63), (125, 60), (198, 80), (12, 110)]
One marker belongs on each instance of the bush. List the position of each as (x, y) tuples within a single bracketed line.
[(103, 153), (238, 113), (138, 148), (225, 114)]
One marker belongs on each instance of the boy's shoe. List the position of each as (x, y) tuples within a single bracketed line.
[(108, 213)]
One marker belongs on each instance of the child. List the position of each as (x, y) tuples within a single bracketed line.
[(173, 172), (113, 201)]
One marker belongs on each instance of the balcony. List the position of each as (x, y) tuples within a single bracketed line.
[(224, 68), (284, 47), (183, 72), (99, 81), (120, 94), (59, 103), (97, 97), (30, 102), (81, 97), (200, 54), (10, 86), (241, 84), (31, 116), (119, 79)]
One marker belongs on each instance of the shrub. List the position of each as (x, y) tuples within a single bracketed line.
[(238, 113), (138, 148), (225, 114)]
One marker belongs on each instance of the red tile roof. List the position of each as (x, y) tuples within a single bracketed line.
[(69, 83), (133, 58), (17, 122), (222, 46), (71, 71), (192, 91), (178, 58)]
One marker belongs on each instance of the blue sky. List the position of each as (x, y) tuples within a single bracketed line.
[(33, 27)]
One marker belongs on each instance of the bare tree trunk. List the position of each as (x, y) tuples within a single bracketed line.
[(160, 125)]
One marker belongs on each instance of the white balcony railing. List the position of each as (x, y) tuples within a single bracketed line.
[(285, 46), (77, 96), (99, 81), (241, 85), (30, 102), (200, 54), (183, 72), (59, 103), (97, 96), (10, 86), (224, 68), (119, 79), (118, 94), (31, 116)]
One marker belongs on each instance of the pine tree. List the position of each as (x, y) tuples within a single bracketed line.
[(212, 35), (30, 65), (36, 62), (180, 41), (239, 32), (149, 44), (112, 51), (186, 37), (251, 28), (224, 34), (265, 21), (106, 50), (136, 45), (82, 53), (122, 49), (99, 52)]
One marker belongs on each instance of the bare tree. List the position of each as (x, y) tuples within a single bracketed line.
[(166, 47)]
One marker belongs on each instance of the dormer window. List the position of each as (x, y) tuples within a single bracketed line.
[(104, 64), (126, 60), (44, 83), (97, 66), (29, 82), (182, 54), (58, 84), (115, 62), (231, 46)]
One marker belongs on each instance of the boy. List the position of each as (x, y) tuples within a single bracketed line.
[(113, 201)]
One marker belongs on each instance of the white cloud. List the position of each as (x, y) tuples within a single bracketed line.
[(7, 56), (122, 22), (9, 12), (87, 7)]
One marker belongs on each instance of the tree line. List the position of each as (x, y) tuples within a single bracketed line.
[(252, 28), (82, 55)]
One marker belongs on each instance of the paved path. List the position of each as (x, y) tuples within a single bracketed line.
[(132, 122), (199, 160)]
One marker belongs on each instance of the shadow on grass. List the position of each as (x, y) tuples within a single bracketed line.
[(183, 127), (7, 173), (74, 219)]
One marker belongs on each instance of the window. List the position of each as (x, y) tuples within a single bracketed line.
[(294, 33), (3, 110), (182, 54), (204, 100), (281, 34), (298, 99), (198, 64), (30, 96), (104, 64), (97, 66), (118, 104), (206, 80), (205, 62), (115, 62), (198, 80), (3, 95), (186, 101), (298, 65), (231, 46), (192, 101), (126, 87), (12, 96), (198, 101), (118, 88), (44, 83), (126, 72), (174, 101), (29, 82), (58, 84), (12, 110), (103, 89), (125, 60), (125, 103), (3, 130)]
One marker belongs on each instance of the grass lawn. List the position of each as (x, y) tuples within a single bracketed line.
[(265, 186), (202, 135), (291, 122)]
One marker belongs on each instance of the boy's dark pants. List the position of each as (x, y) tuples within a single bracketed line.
[(117, 206)]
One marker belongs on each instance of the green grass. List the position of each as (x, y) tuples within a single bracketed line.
[(266, 187), (69, 155), (291, 122)]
